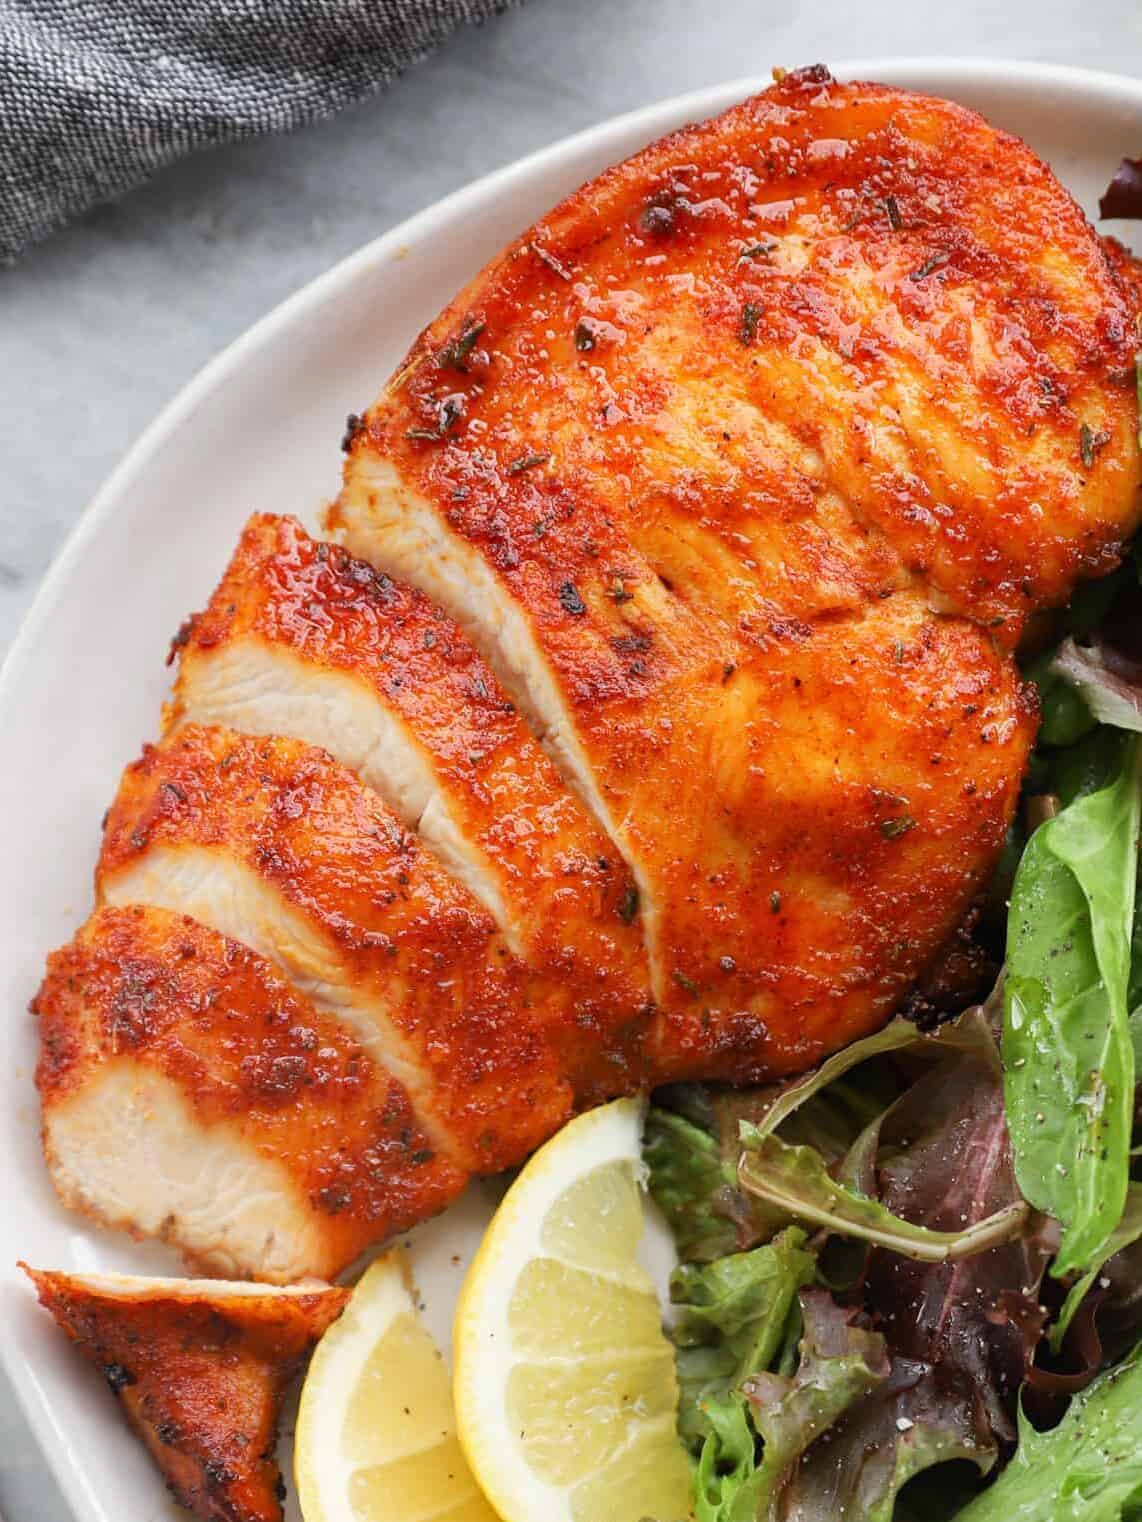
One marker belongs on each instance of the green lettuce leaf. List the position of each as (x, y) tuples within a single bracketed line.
[(795, 1179), (1087, 1469), (1097, 670), (944, 1161), (727, 1462), (778, 1103), (731, 1321), (1065, 716), (909, 1157), (839, 1363), (1134, 987), (1108, 694), (1067, 1049), (770, 1108), (851, 1427), (858, 1468), (691, 1184), (820, 1172), (733, 1318)]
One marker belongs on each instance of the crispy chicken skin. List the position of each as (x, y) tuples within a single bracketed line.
[(202, 1084), (199, 1368), (657, 715)]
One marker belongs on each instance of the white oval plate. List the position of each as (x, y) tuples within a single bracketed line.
[(258, 429)]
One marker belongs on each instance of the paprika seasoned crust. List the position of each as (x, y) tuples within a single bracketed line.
[(273, 843), (867, 290), (189, 1093), (301, 639), (1128, 266), (840, 374), (199, 1368)]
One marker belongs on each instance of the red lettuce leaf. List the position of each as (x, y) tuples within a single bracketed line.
[(945, 1162), (852, 1426), (915, 1421), (1123, 196)]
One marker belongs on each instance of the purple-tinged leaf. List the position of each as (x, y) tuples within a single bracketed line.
[(1123, 196)]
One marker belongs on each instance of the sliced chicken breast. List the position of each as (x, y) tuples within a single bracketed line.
[(745, 472), (300, 639), (199, 1368), (275, 844), (188, 1093)]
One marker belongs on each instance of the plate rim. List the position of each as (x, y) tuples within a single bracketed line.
[(179, 410)]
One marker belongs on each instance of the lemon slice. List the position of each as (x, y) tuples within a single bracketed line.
[(376, 1436), (565, 1389)]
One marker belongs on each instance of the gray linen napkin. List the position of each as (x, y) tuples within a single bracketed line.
[(96, 95)]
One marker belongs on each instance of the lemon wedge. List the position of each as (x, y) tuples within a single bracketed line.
[(376, 1436), (565, 1388)]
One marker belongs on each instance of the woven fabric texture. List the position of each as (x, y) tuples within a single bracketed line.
[(96, 95)]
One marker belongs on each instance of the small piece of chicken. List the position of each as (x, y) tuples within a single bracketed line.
[(200, 1368), (188, 1093)]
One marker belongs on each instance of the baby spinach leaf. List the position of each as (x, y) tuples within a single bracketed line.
[(1067, 1050), (1088, 767), (1087, 1469)]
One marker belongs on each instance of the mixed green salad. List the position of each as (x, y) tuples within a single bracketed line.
[(911, 1282)]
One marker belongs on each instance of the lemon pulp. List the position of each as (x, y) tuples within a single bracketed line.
[(376, 1434), (565, 1383)]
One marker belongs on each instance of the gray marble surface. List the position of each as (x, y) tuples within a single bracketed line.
[(103, 324)]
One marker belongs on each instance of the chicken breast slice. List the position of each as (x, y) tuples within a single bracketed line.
[(188, 1093), (300, 639), (745, 468), (275, 844), (199, 1368)]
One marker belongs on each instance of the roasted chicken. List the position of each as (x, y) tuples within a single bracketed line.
[(190, 1094), (200, 1368), (656, 717)]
